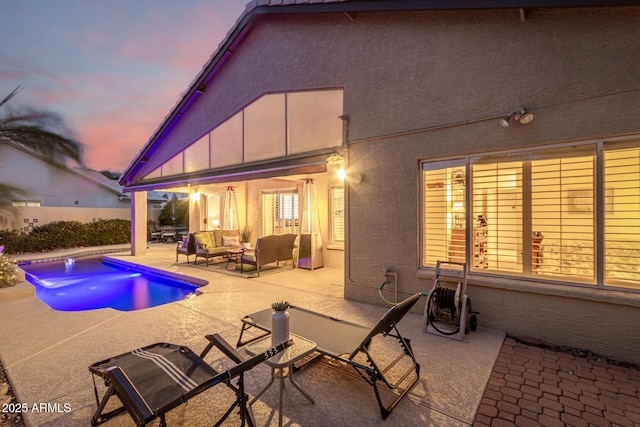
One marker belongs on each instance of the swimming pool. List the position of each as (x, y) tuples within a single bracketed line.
[(92, 283)]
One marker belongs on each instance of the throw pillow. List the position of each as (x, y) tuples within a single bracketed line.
[(230, 241)]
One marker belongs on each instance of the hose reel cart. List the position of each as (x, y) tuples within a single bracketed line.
[(447, 312)]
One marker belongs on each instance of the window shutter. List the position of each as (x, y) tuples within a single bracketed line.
[(622, 217)]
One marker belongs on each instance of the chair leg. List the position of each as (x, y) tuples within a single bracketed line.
[(241, 401), (98, 416)]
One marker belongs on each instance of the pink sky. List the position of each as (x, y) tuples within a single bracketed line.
[(112, 69)]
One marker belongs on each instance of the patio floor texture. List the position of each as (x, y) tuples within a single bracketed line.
[(483, 382)]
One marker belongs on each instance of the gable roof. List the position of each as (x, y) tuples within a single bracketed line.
[(257, 8)]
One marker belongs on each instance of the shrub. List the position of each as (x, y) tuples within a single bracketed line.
[(8, 275), (66, 234)]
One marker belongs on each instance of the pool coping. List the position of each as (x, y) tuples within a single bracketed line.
[(157, 272), (35, 258)]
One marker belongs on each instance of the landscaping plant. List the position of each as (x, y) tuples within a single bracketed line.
[(8, 275)]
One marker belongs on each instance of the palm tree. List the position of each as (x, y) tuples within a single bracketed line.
[(41, 131)]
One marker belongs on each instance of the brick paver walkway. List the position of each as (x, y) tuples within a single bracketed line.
[(533, 386)]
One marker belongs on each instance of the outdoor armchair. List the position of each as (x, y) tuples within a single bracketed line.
[(155, 233), (186, 246)]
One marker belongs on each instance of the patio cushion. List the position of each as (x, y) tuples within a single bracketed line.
[(204, 239), (219, 234), (230, 241), (249, 256)]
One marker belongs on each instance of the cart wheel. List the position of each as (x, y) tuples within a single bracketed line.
[(473, 322)]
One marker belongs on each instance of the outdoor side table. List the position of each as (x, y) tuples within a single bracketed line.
[(233, 255), (282, 364)]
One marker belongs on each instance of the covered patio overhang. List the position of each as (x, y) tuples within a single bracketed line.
[(208, 190), (301, 165)]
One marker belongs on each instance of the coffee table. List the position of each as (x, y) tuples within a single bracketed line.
[(282, 364), (233, 255)]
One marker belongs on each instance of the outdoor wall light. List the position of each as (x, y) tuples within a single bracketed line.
[(520, 115), (504, 121), (335, 158)]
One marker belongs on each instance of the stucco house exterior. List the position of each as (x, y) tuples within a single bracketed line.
[(54, 191), (499, 136)]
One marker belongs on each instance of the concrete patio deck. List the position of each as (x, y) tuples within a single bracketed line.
[(46, 354)]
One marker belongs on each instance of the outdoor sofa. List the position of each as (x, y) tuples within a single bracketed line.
[(215, 243), (269, 249)]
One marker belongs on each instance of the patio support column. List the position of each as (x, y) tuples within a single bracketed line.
[(195, 213), (138, 223)]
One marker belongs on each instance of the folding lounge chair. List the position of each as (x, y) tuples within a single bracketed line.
[(348, 342), (152, 380)]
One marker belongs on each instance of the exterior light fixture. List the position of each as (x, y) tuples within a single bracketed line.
[(524, 116), (335, 158), (504, 121), (520, 115)]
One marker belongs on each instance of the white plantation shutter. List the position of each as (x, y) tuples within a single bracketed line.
[(280, 213), (563, 210), (622, 217), (443, 206), (497, 196), (337, 214)]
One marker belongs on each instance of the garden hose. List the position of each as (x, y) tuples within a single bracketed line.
[(422, 294), (443, 298)]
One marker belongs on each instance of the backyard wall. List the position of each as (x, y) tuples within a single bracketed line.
[(26, 218)]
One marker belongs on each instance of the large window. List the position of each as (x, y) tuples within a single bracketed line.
[(274, 126), (280, 213), (544, 214)]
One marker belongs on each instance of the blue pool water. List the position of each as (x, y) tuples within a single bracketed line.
[(92, 283)]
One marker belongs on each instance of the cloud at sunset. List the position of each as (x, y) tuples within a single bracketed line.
[(112, 70)]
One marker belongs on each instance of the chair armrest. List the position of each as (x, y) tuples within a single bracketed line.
[(249, 251), (222, 345), (131, 396)]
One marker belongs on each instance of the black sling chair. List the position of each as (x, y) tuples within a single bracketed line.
[(152, 380), (345, 341)]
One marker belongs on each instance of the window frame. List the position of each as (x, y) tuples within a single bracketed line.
[(278, 194), (598, 148)]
